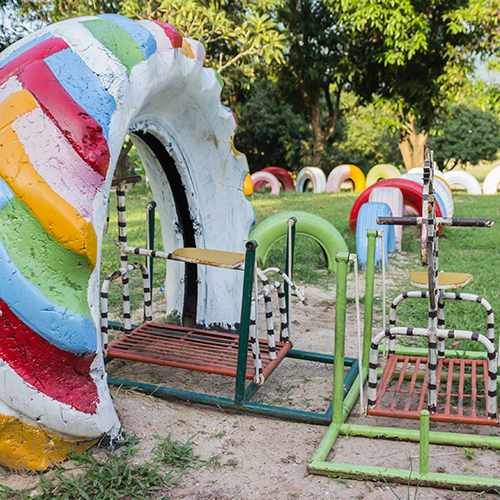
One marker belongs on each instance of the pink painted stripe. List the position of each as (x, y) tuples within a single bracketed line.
[(56, 161), (81, 130), (173, 34), (61, 375), (37, 53)]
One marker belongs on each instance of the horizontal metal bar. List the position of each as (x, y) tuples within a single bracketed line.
[(127, 180), (440, 221)]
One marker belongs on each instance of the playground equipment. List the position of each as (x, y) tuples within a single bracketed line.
[(394, 198), (367, 219), (224, 353), (248, 185), (69, 95), (260, 179), (412, 196), (311, 176), (273, 229), (341, 173), (490, 184), (436, 373), (464, 179), (283, 176), (382, 171)]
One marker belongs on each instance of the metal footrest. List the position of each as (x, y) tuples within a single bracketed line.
[(461, 387), (192, 349)]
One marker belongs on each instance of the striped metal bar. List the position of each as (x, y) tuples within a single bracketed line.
[(105, 292)]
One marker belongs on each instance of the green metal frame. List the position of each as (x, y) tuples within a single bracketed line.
[(423, 477), (245, 392)]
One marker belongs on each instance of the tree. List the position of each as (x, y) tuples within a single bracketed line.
[(469, 135), (240, 38), (415, 54), (271, 133), (318, 67)]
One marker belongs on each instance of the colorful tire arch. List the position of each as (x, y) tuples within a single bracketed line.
[(412, 196), (343, 172), (69, 94), (490, 184), (311, 175), (283, 176), (382, 171), (260, 179), (464, 179), (274, 228)]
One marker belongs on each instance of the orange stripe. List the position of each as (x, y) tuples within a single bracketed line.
[(16, 105), (56, 215), (25, 446)]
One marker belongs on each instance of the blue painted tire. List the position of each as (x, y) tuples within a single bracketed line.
[(367, 219)]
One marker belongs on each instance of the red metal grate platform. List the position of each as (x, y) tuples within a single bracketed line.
[(461, 386), (192, 349)]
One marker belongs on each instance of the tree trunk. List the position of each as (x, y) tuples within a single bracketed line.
[(412, 145), (321, 135), (121, 170)]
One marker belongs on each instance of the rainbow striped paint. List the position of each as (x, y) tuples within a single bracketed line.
[(69, 94)]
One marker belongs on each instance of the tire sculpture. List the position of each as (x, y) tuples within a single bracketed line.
[(311, 175), (343, 172), (490, 184), (69, 95), (260, 179), (468, 181), (283, 176), (394, 198), (412, 195), (367, 219), (379, 172), (274, 228)]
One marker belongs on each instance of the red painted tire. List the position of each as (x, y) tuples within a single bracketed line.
[(412, 195), (283, 176)]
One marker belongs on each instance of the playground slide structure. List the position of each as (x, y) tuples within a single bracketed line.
[(69, 95)]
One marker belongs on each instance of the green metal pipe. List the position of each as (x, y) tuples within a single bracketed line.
[(364, 472), (413, 435), (289, 259), (339, 341), (292, 414), (369, 294), (424, 442), (248, 281)]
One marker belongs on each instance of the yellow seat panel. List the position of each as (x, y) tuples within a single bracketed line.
[(204, 256), (445, 280)]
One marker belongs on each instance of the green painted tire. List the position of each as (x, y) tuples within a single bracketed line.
[(274, 228)]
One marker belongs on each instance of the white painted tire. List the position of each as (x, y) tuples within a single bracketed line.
[(464, 179), (69, 95), (313, 175), (259, 179), (394, 198), (442, 191), (490, 184)]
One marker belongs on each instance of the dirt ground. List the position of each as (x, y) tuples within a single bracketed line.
[(264, 458)]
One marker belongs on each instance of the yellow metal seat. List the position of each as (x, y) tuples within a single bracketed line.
[(446, 281), (207, 257)]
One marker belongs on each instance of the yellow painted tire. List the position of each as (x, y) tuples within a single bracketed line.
[(342, 172), (248, 185)]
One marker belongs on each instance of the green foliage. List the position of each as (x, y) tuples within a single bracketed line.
[(270, 133), (240, 38), (366, 141), (468, 135), (180, 455), (117, 477)]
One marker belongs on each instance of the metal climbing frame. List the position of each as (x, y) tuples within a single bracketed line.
[(341, 427), (215, 352)]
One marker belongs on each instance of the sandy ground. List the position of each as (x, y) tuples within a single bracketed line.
[(266, 458)]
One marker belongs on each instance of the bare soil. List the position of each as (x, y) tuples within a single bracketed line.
[(264, 458)]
